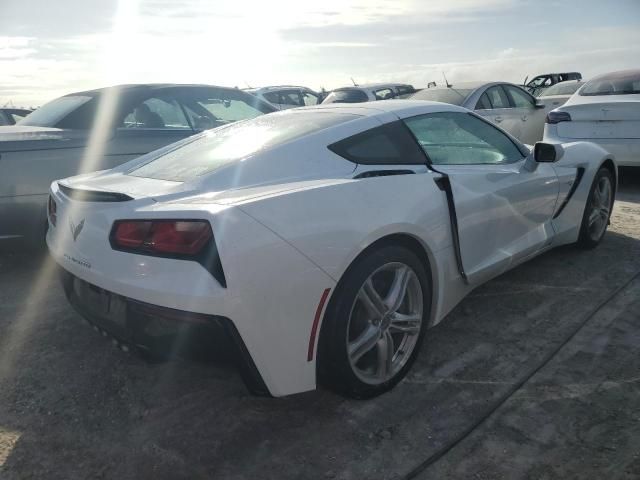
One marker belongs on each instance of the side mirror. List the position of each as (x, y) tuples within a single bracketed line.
[(547, 152), (539, 103)]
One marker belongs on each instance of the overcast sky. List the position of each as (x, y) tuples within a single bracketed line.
[(52, 47)]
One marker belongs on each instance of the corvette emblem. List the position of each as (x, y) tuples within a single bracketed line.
[(76, 229)]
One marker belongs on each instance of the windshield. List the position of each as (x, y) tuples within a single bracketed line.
[(51, 113), (225, 145), (452, 95), (352, 95), (618, 83), (562, 89)]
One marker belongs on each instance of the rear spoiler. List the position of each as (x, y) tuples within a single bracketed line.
[(93, 195)]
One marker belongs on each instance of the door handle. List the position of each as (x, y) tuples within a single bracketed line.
[(498, 119)]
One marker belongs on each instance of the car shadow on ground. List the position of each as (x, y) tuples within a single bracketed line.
[(72, 406)]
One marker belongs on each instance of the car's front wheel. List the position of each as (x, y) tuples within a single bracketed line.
[(597, 210), (375, 323)]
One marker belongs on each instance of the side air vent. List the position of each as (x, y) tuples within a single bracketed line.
[(383, 173), (93, 195)]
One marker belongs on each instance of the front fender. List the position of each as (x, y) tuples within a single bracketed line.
[(576, 171)]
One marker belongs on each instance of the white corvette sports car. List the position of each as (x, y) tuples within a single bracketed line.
[(322, 241)]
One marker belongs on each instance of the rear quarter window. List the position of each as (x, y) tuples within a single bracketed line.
[(389, 144)]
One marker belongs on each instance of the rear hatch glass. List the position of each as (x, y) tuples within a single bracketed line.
[(217, 148)]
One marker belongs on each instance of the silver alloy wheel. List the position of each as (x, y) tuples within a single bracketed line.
[(600, 209), (384, 323)]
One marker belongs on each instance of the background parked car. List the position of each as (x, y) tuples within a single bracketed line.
[(505, 104), (558, 94), (97, 130), (537, 84), (606, 111), (369, 93), (10, 116), (285, 96)]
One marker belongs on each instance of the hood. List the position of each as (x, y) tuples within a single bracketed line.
[(24, 137)]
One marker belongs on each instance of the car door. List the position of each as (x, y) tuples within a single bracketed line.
[(147, 124), (503, 200), (531, 118), (501, 112)]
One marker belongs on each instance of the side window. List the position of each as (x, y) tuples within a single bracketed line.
[(273, 97), (291, 98), (540, 81), (17, 117), (520, 99), (406, 90), (484, 103), (310, 99), (497, 97), (388, 144), (455, 138), (156, 113), (384, 94)]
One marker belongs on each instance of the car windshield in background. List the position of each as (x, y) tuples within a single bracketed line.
[(51, 113), (619, 83), (451, 95), (562, 89), (346, 96), (212, 107), (220, 147)]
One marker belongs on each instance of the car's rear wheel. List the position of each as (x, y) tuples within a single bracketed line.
[(375, 323), (597, 210)]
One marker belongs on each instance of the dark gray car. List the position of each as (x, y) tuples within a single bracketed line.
[(97, 130)]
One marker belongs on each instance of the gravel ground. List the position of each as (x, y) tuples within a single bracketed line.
[(73, 406)]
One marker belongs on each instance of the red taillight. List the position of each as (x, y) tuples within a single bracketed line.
[(131, 234), (183, 237), (53, 211)]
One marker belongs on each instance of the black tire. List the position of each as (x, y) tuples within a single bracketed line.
[(586, 239), (334, 367)]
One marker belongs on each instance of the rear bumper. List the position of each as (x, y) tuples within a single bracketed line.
[(625, 150), (160, 331)]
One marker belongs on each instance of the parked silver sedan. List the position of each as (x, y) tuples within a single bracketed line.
[(505, 104), (97, 130)]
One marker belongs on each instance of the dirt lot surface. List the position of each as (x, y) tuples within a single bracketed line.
[(73, 406)]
